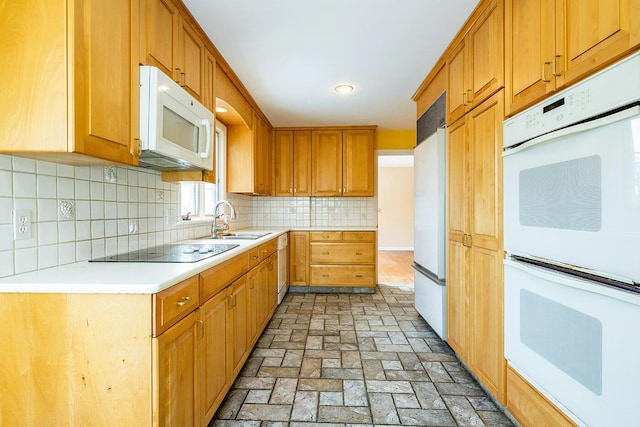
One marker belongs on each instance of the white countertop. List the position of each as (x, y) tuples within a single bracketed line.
[(134, 277)]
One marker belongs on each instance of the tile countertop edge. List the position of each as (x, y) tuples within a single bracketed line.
[(149, 278)]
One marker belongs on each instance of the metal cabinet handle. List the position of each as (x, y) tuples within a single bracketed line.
[(359, 276), (183, 301), (555, 66), (325, 275), (325, 253), (358, 253), (295, 190), (464, 98), (255, 257), (201, 323), (544, 74)]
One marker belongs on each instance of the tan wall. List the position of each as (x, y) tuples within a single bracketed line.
[(395, 199)]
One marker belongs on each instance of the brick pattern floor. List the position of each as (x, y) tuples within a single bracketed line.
[(354, 360)]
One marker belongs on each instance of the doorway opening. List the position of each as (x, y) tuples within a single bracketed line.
[(395, 217)]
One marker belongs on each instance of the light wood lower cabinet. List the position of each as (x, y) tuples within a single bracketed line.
[(133, 360), (299, 258), (177, 373), (529, 406), (339, 258)]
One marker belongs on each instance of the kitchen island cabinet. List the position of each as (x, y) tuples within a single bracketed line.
[(162, 359), (71, 92)]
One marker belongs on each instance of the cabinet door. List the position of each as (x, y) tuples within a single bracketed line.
[(160, 41), (299, 258), (486, 284), (106, 113), (529, 53), (177, 373), (237, 324), (326, 158), (214, 361), (189, 64), (458, 314), (486, 293), (283, 163), (302, 163), (485, 44), (485, 145), (594, 33), (457, 85), (253, 302), (457, 181), (357, 162)]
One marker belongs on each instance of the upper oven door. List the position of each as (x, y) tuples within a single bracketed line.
[(573, 195)]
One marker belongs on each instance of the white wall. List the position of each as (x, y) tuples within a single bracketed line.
[(395, 203)]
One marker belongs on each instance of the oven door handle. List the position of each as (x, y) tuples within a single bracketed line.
[(582, 127), (567, 280)]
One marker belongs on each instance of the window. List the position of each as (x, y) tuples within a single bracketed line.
[(197, 199)]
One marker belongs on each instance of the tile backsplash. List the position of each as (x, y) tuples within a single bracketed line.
[(81, 212)]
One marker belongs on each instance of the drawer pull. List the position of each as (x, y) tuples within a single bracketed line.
[(359, 276), (184, 301), (325, 253), (325, 236), (325, 275), (358, 253), (255, 257)]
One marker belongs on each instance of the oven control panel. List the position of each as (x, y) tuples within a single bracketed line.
[(614, 87)]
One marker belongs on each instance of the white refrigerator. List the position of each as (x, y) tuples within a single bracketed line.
[(430, 230)]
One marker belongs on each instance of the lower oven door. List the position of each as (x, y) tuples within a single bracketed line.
[(576, 341), (573, 195)]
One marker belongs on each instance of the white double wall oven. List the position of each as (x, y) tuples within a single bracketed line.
[(572, 237)]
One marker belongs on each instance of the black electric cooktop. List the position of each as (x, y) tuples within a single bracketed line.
[(179, 252)]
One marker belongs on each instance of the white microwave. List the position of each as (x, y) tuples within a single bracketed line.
[(176, 130)]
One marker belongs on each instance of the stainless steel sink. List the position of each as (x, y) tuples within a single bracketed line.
[(238, 236)]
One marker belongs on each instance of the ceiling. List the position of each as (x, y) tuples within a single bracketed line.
[(290, 54)]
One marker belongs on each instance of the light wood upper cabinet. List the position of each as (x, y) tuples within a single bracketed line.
[(71, 92), (357, 162), (551, 44), (171, 44), (249, 158), (326, 158), (342, 162), (292, 163), (160, 20), (476, 65), (475, 244)]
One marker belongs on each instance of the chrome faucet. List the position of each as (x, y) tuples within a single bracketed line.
[(217, 230)]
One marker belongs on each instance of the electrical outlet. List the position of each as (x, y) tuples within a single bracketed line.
[(21, 224)]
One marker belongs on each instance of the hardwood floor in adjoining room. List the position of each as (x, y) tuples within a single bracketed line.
[(394, 267)]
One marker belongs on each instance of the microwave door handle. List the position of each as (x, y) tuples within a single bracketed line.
[(582, 127), (207, 125)]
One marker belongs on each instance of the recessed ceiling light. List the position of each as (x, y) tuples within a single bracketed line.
[(344, 88), (221, 110)]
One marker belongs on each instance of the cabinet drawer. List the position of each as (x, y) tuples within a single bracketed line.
[(359, 236), (216, 278), (326, 236), (254, 257), (266, 249), (343, 275), (343, 253), (174, 303)]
